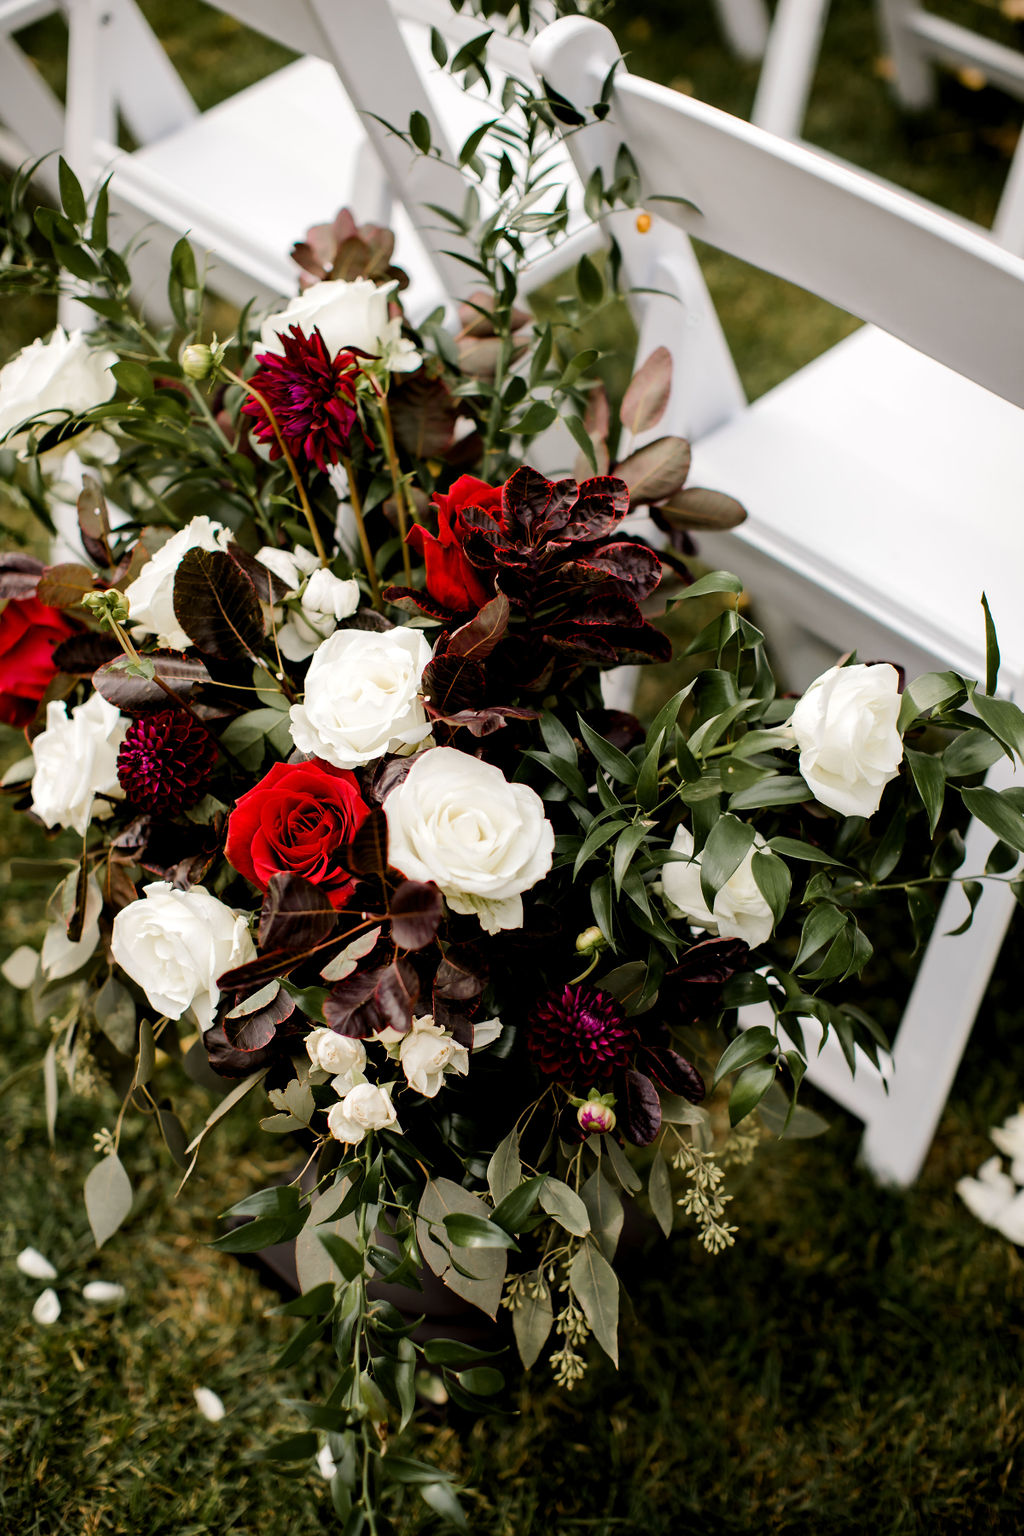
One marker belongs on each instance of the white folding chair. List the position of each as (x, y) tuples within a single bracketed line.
[(883, 483), (31, 116), (918, 42)]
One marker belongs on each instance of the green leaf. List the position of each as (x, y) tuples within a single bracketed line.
[(71, 195), (777, 789), (589, 282), (927, 692), (930, 783), (1004, 718), (621, 1166), (298, 1447), (659, 1192), (482, 1380), (440, 1497), (516, 1206), (972, 889), (108, 1197), (477, 1232), (504, 1171), (147, 1055), (821, 925), (714, 581), (729, 842), (100, 211), (596, 1287), (438, 48), (347, 1257), (749, 1089), (475, 139), (989, 806), (753, 1045), (604, 1207), (991, 649), (631, 840), (133, 379), (566, 1207), (973, 752), (531, 1321), (419, 132), (183, 264), (582, 438), (773, 880), (537, 418), (887, 855)]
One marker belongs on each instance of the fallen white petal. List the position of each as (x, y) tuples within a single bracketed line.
[(989, 1194), (1010, 1220), (103, 1291), (1009, 1137), (19, 969), (47, 1307), (325, 1461), (209, 1404), (35, 1264)]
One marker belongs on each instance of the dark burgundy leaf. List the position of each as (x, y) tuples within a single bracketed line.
[(712, 961), (456, 997), (415, 913), (270, 589), (699, 508), (424, 415), (268, 966), (476, 640), (369, 619), (484, 722), (385, 775), (657, 471), (674, 1073), (76, 921), (138, 695), (396, 995), (367, 853), (217, 606), (296, 915), (94, 521), (19, 575), (229, 1062), (451, 683), (631, 563), (411, 600), (350, 1008), (603, 503), (640, 1119), (643, 404), (64, 586), (253, 1031), (623, 730), (82, 654), (525, 499)]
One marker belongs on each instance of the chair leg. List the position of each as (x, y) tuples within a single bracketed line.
[(940, 1013), (790, 59), (745, 24), (915, 78)]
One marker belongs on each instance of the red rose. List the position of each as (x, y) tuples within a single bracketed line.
[(298, 820), (451, 580), (28, 633)]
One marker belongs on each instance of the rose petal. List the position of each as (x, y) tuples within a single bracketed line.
[(209, 1404), (35, 1264), (47, 1307)]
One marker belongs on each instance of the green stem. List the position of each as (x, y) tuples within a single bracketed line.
[(364, 543), (286, 455)]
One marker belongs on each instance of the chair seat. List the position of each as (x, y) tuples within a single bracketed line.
[(895, 487)]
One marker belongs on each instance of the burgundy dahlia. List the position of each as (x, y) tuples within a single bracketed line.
[(165, 762), (312, 397), (581, 1036)]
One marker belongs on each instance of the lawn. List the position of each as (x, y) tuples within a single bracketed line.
[(853, 1364)]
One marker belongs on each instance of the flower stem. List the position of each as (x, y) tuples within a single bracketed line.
[(364, 543), (286, 455), (402, 502)]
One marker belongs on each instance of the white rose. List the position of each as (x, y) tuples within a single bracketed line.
[(845, 728), (291, 566), (76, 760), (52, 378), (483, 841), (175, 944), (339, 1056), (60, 956), (364, 1108), (739, 912), (347, 314), (325, 599), (150, 596), (362, 697), (426, 1053)]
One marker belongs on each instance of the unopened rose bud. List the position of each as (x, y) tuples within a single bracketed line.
[(197, 360), (596, 1118), (589, 940)]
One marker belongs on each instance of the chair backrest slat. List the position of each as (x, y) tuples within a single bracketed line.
[(924, 278)]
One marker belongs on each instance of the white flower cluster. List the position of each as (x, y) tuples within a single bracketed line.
[(47, 1306), (996, 1197), (52, 379), (323, 600)]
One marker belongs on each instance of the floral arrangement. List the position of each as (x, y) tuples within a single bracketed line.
[(318, 706)]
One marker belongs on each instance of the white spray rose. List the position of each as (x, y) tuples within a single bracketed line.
[(60, 956), (483, 841), (364, 1108), (52, 378), (76, 760), (739, 912), (338, 1056), (150, 596), (347, 314), (325, 599), (845, 729), (362, 697), (426, 1053), (175, 944)]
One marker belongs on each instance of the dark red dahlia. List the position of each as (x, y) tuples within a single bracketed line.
[(165, 762), (312, 396), (581, 1036)]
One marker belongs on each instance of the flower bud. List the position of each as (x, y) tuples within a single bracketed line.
[(596, 1117), (197, 360), (589, 941)]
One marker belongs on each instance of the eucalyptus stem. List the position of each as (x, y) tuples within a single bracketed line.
[(404, 506), (286, 455), (364, 543)]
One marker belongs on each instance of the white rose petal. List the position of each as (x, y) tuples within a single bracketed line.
[(991, 1193), (347, 314), (175, 944), (76, 760), (52, 378), (364, 1108), (362, 697), (330, 596), (60, 957), (47, 1307), (485, 1033), (426, 1053), (20, 968), (739, 912), (290, 566), (209, 1404), (325, 1463), (458, 822), (35, 1264), (150, 596), (103, 1293), (1009, 1137), (845, 729)]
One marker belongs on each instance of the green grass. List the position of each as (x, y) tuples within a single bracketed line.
[(853, 1365)]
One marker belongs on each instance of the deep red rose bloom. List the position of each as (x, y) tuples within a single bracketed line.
[(312, 396), (28, 633), (451, 580), (298, 820)]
